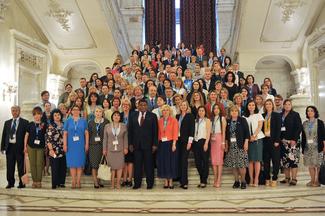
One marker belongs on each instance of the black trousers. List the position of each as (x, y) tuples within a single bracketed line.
[(143, 158), (58, 170), (182, 162), (270, 152), (201, 160), (13, 156)]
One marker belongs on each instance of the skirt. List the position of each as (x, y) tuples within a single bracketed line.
[(216, 149), (255, 150), (311, 155), (167, 166), (95, 155), (289, 155), (236, 157)]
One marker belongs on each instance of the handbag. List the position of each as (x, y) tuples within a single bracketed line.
[(321, 176), (104, 171), (25, 177)]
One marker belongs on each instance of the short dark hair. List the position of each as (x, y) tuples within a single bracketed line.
[(143, 100), (68, 84), (250, 75), (115, 112), (96, 95), (247, 113), (44, 92), (315, 111), (37, 110), (52, 115)]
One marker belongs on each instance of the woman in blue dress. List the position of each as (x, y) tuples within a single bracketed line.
[(76, 144)]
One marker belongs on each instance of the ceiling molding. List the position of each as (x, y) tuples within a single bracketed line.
[(81, 37), (291, 29), (32, 22)]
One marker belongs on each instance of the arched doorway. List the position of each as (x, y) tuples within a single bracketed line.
[(78, 69), (278, 69)]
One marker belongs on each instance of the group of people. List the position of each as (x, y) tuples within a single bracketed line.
[(151, 112)]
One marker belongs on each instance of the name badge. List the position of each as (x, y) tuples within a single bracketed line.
[(233, 139), (97, 139), (310, 141), (13, 140), (283, 128), (14, 136), (75, 138), (37, 142), (164, 139)]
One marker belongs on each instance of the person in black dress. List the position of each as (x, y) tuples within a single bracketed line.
[(290, 149), (143, 136)]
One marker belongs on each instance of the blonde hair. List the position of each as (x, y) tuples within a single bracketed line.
[(125, 100), (164, 107)]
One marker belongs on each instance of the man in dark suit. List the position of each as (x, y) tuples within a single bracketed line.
[(143, 140), (238, 74), (12, 143), (222, 57), (200, 57), (168, 60), (209, 83), (186, 59), (152, 98), (83, 86), (105, 94)]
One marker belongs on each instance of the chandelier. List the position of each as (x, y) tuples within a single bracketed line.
[(288, 8)]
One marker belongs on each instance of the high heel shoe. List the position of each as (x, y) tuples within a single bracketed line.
[(171, 187), (96, 186)]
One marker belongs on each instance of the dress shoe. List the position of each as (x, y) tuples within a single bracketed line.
[(62, 186), (129, 184), (149, 187), (136, 187), (185, 187), (54, 186), (243, 185), (21, 186), (203, 185), (96, 186), (9, 186), (236, 185), (101, 185)]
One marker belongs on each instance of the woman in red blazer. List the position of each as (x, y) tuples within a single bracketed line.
[(166, 154)]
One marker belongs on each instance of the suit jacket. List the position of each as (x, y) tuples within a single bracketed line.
[(275, 127), (145, 136), (168, 62), (211, 86), (242, 131), (109, 137), (240, 74), (293, 126), (171, 130), (184, 63), (320, 136), (20, 134), (222, 61), (187, 128), (150, 107), (102, 97)]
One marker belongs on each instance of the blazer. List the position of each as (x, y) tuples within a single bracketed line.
[(187, 128), (102, 97), (184, 63), (275, 130), (255, 90), (171, 130), (320, 136), (150, 107), (145, 136), (109, 137), (293, 126), (211, 86), (20, 134), (242, 131)]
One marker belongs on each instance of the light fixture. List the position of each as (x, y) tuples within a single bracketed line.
[(9, 91), (288, 8), (61, 15)]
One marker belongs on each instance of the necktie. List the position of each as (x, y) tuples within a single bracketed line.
[(152, 103), (13, 129), (169, 102), (142, 119)]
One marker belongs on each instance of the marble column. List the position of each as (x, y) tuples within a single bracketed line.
[(302, 98)]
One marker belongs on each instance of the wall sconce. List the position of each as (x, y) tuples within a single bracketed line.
[(4, 5), (9, 91)]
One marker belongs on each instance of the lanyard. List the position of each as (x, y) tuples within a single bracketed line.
[(115, 130), (214, 124), (38, 129), (75, 126), (97, 128), (198, 126), (310, 127), (125, 120)]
